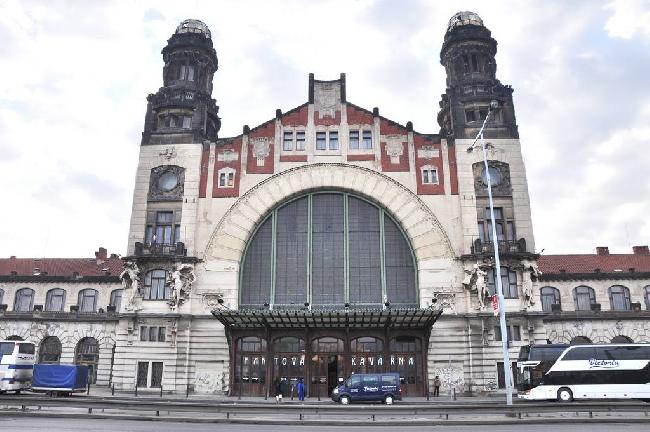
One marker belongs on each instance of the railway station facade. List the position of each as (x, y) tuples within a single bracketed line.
[(327, 241)]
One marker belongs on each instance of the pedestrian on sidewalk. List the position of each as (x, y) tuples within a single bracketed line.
[(436, 386), (277, 385), (301, 390)]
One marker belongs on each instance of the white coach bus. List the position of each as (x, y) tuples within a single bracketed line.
[(612, 371), (16, 365)]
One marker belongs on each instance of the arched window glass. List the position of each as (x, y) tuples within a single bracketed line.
[(24, 301), (580, 340), (584, 297), (50, 350), (87, 300), (327, 249), (622, 339), (87, 353), (405, 344), (155, 286), (646, 296), (251, 344), (288, 345), (550, 296), (2, 294), (619, 297), (15, 338), (367, 344), (55, 300), (116, 299), (327, 345)]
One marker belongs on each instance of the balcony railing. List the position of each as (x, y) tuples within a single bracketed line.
[(158, 249), (505, 246)]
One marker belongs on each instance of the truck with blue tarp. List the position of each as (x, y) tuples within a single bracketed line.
[(59, 379)]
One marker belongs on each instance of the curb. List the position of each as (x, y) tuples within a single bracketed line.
[(268, 421)]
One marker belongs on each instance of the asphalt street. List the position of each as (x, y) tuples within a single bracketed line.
[(29, 424)]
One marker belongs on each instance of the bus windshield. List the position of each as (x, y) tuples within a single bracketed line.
[(534, 361)]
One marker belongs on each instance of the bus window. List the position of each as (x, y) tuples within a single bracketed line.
[(7, 348), (26, 348), (580, 353)]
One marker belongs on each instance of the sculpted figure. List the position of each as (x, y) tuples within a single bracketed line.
[(130, 278), (475, 280), (530, 274), (181, 281)]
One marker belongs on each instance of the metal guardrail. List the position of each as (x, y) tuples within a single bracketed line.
[(300, 411)]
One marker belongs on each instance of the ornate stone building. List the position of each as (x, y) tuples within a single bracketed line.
[(331, 240)]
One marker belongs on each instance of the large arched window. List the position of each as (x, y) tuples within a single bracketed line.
[(646, 296), (584, 297), (50, 350), (580, 340), (549, 296), (87, 300), (620, 339), (87, 353), (328, 249), (55, 300), (24, 300), (619, 297)]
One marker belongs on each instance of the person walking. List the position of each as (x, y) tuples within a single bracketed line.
[(277, 385), (301, 390), (436, 386)]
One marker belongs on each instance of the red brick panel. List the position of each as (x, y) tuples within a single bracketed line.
[(266, 130), (358, 116), (420, 142), (453, 169), (296, 117), (203, 180), (293, 158), (327, 120), (361, 157), (387, 127), (235, 146)]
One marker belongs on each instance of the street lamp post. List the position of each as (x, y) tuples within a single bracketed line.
[(507, 366)]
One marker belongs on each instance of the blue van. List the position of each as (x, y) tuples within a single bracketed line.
[(376, 387)]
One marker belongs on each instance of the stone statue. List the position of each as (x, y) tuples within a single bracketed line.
[(130, 278), (475, 281), (181, 281), (530, 274)]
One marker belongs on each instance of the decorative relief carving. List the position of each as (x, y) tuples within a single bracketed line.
[(445, 300), (394, 147), (501, 184), (130, 278), (261, 149), (476, 281), (167, 183), (228, 156), (180, 281), (211, 300), (530, 275), (428, 152), (325, 99), (168, 154)]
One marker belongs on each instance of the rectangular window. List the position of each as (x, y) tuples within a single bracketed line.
[(156, 374), (177, 233), (143, 333), (149, 374), (500, 225), (153, 334), (143, 374), (334, 140), (354, 139), (161, 334), (300, 140), (508, 282), (482, 113), (465, 63), (187, 122), (470, 115), (231, 179), (222, 180), (287, 143), (321, 139), (430, 176), (514, 333), (474, 63), (367, 139), (148, 234)]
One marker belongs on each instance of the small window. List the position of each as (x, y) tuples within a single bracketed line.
[(287, 143), (186, 73), (354, 139), (550, 296), (470, 115), (162, 331), (619, 298), (334, 140), (87, 300), (143, 333), (222, 180), (55, 300), (300, 140), (187, 122), (429, 176), (466, 63), (24, 300), (475, 67), (226, 178), (321, 138), (482, 113), (584, 297), (26, 348), (367, 139), (231, 179)]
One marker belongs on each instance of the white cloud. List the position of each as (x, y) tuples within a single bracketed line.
[(629, 19)]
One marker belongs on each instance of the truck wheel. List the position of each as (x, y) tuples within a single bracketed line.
[(564, 395), (17, 392), (345, 400), (388, 400)]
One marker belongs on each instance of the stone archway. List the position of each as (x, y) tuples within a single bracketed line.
[(424, 231)]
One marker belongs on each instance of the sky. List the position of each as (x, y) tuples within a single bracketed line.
[(75, 76)]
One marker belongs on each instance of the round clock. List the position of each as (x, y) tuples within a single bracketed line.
[(168, 181)]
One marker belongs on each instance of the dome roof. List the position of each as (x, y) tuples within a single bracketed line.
[(464, 18), (194, 26)]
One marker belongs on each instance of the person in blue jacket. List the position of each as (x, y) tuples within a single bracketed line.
[(301, 390)]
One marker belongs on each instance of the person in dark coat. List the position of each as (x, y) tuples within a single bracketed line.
[(277, 386), (436, 386), (301, 390)]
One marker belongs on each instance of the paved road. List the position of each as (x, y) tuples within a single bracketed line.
[(28, 424)]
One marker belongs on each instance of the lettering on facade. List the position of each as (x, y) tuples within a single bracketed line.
[(428, 152), (228, 156)]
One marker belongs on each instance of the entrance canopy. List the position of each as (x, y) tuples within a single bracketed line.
[(408, 318)]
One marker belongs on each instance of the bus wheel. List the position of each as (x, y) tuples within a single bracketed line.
[(17, 392), (388, 400), (564, 395), (345, 400)]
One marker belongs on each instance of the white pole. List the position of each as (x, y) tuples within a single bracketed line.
[(507, 366)]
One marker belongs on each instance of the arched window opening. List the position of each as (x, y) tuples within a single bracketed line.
[(2, 294), (55, 300), (328, 249), (550, 297), (406, 358), (87, 354), (50, 350), (87, 300), (646, 296), (620, 339), (15, 338), (24, 301), (580, 340), (116, 299), (584, 297), (155, 286), (619, 297), (250, 365), (367, 354)]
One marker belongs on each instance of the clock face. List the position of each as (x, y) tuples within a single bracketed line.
[(168, 181), (495, 176)]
